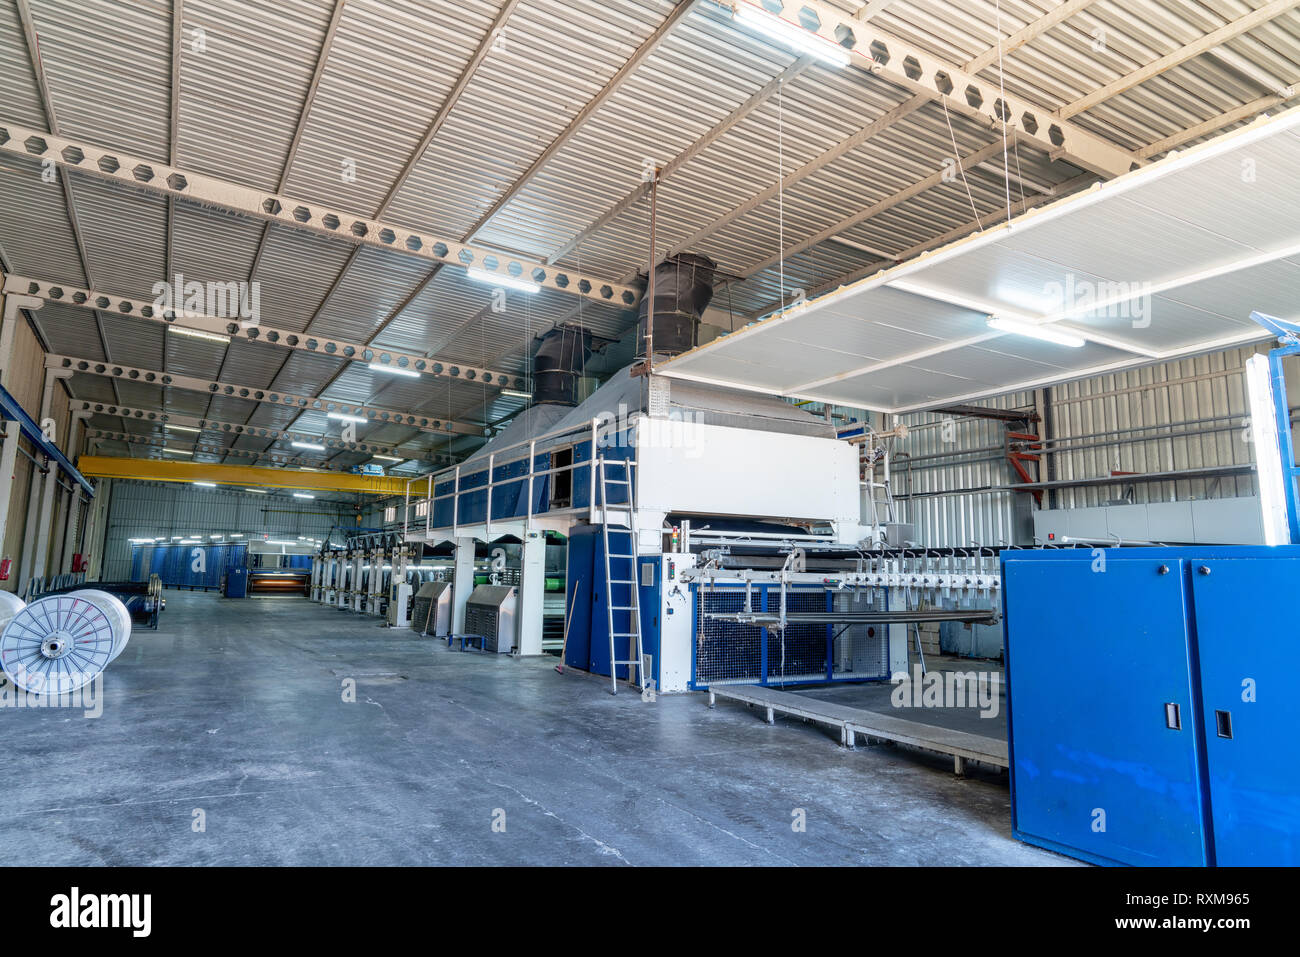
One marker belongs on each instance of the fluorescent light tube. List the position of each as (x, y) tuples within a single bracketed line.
[(302, 495), (792, 35), (207, 484), (196, 334), (502, 279), (387, 458), (346, 418), (394, 370), (308, 445), (178, 451), (515, 393), (1034, 331), (256, 491), (180, 428)]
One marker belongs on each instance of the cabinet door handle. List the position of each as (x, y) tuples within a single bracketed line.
[(1173, 716), (1223, 722)]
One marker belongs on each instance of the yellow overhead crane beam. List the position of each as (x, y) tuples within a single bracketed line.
[(156, 470)]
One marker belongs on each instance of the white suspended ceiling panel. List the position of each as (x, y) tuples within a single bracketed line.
[(1164, 262)]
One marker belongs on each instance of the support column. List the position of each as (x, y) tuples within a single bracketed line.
[(92, 539), (9, 451), (532, 586), (76, 429), (49, 488), (462, 584)]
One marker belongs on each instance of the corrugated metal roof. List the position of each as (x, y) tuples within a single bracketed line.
[(246, 88)]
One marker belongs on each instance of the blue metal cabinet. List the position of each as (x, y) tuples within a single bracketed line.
[(1245, 631), (1123, 677), (579, 598), (1104, 743)]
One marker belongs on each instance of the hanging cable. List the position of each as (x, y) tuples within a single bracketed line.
[(780, 189), (956, 158), (1002, 109)]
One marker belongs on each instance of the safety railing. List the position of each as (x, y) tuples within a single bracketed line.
[(427, 502)]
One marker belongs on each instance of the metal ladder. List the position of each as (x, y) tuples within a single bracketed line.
[(625, 539)]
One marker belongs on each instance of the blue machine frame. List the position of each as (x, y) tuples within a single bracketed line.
[(1286, 444)]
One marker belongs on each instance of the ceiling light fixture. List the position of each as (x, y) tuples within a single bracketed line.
[(516, 394), (256, 491), (792, 35), (502, 279), (1035, 331), (394, 370), (180, 428), (308, 445), (207, 484), (387, 458), (197, 334), (346, 418), (302, 495)]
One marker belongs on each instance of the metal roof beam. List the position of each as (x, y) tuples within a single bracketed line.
[(163, 418), (1205, 43), (1213, 124), (638, 57), (894, 59), (719, 129), (70, 295), (166, 180), (305, 403), (32, 41), (920, 186), (923, 95)]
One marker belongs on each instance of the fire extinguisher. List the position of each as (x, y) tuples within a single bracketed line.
[(4, 568), (78, 563)]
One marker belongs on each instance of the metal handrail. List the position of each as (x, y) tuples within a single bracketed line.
[(497, 457)]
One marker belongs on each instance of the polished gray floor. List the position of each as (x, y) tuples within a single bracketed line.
[(233, 716)]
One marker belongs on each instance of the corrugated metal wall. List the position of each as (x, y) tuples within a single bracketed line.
[(1186, 414), (164, 509), (943, 453)]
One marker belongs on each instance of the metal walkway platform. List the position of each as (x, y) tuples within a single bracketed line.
[(962, 745)]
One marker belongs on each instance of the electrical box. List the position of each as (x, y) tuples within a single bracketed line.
[(1150, 716), (399, 604), (236, 583)]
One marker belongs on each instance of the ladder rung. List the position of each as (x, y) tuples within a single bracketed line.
[(623, 634), (620, 581), (631, 662), (613, 555), (623, 608)]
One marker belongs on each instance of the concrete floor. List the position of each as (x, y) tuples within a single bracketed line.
[(235, 709)]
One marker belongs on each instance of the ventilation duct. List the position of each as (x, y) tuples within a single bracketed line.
[(559, 360), (683, 289)]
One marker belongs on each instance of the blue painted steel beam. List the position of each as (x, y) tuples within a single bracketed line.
[(1286, 445), (11, 411)]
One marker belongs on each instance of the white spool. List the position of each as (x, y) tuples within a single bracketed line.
[(10, 605), (60, 643)]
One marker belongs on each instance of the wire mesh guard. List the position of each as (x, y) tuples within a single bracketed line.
[(730, 652), (60, 643)]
